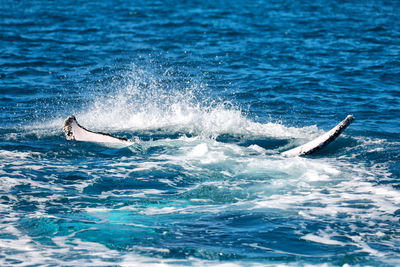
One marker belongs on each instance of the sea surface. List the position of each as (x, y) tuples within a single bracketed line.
[(211, 92)]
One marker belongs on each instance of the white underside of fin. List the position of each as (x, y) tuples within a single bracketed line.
[(74, 131), (320, 141)]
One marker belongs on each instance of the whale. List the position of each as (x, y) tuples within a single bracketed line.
[(74, 131)]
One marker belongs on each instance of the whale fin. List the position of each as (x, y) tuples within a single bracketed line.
[(321, 141), (74, 131)]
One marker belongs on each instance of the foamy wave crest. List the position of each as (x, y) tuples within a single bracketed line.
[(148, 101)]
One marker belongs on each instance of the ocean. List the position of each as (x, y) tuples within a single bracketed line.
[(211, 92)]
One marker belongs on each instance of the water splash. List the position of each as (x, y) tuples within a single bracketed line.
[(144, 100)]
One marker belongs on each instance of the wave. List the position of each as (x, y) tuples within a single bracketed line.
[(147, 101)]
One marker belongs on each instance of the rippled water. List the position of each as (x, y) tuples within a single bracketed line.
[(211, 93)]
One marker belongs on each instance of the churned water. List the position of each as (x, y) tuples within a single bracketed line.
[(211, 92)]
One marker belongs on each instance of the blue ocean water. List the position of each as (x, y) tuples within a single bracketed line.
[(211, 92)]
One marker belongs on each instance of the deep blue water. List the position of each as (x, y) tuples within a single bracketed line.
[(211, 92)]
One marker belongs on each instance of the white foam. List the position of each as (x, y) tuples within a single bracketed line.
[(13, 155), (199, 150), (163, 210), (323, 240)]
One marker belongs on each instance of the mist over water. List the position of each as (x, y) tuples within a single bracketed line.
[(211, 94)]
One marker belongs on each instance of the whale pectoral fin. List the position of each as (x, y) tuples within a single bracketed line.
[(74, 131), (321, 141)]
